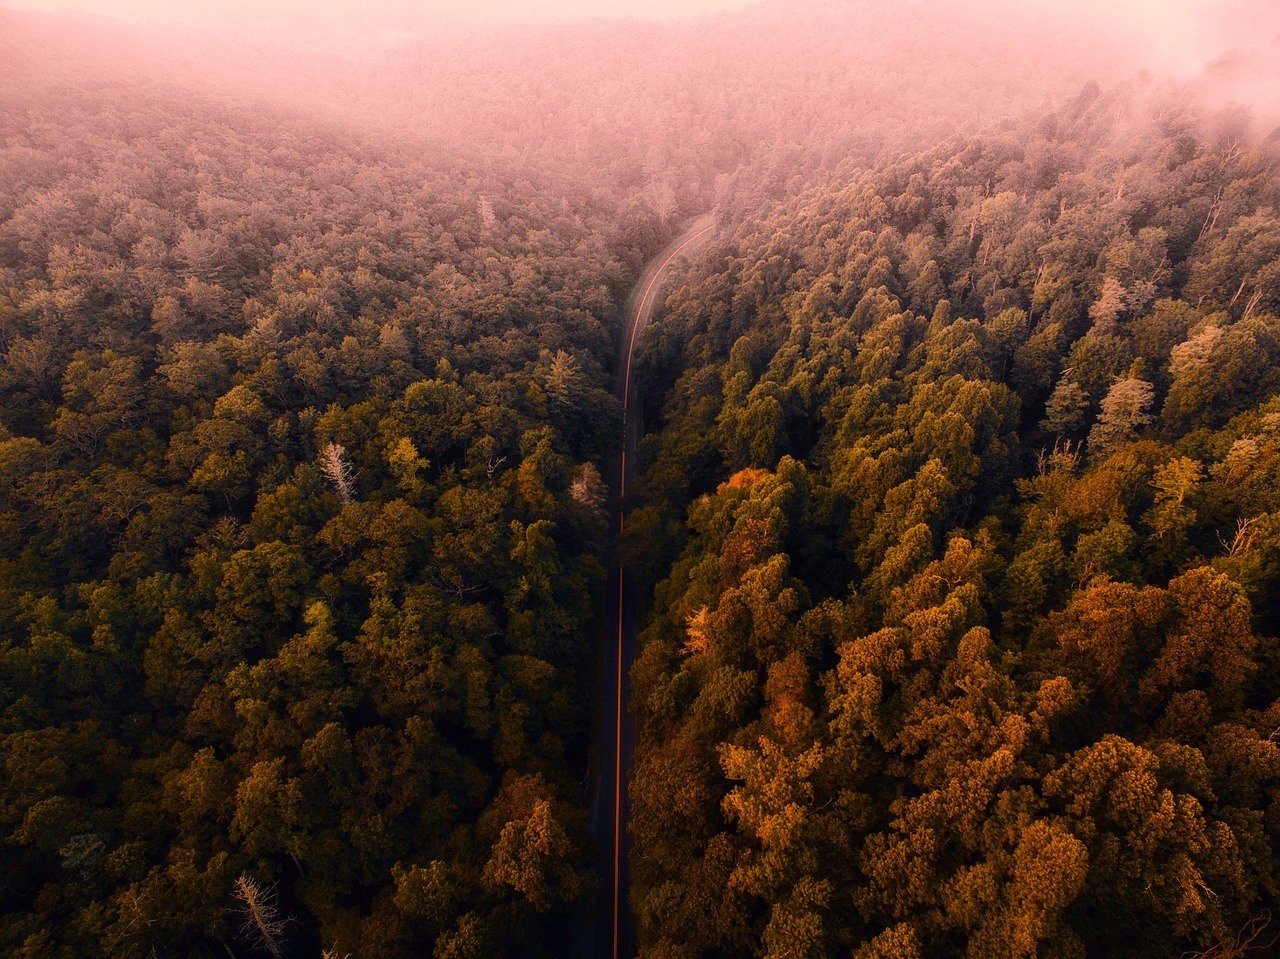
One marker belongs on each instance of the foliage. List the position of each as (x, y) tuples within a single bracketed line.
[(928, 674), (299, 535)]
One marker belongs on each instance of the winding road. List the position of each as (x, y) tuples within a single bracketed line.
[(613, 932)]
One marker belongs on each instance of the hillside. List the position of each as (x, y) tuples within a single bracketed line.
[(963, 508)]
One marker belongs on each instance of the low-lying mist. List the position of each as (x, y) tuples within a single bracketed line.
[(667, 106), (431, 67)]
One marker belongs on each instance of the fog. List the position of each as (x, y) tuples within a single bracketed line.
[(1184, 34), (630, 91), (1175, 35), (382, 11), (1183, 31)]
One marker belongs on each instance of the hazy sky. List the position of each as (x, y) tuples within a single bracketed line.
[(1180, 34), (347, 9)]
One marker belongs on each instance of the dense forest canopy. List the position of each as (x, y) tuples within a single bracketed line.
[(958, 528), (965, 508), (301, 530)]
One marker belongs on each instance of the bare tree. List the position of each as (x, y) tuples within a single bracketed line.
[(1243, 541), (1065, 456), (334, 465), (262, 925), (1249, 941)]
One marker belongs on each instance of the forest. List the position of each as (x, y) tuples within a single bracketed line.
[(300, 536), (964, 517), (955, 541)]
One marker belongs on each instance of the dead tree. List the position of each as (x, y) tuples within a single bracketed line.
[(1251, 940), (1243, 541), (334, 465), (263, 926)]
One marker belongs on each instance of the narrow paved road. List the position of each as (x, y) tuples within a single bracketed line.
[(614, 935)]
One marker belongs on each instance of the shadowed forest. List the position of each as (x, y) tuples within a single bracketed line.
[(957, 530)]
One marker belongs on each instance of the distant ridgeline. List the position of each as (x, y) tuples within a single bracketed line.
[(964, 514)]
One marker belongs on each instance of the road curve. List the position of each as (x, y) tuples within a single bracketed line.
[(614, 936)]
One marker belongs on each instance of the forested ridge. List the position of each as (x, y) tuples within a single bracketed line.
[(963, 503), (300, 535)]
